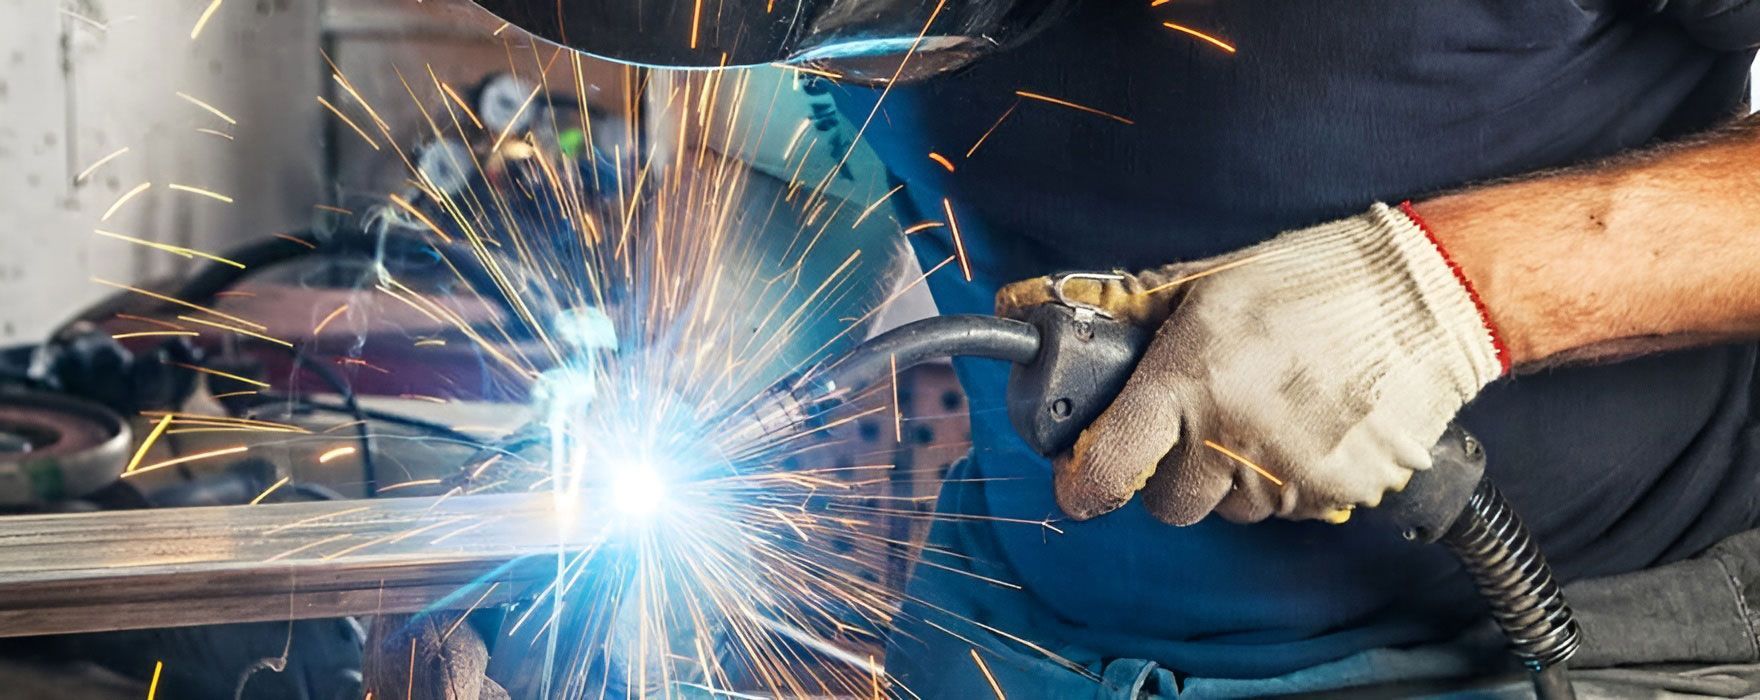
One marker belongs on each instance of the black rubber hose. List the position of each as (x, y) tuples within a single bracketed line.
[(913, 343), (1513, 577)]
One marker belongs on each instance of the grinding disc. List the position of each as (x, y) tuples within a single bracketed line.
[(55, 448)]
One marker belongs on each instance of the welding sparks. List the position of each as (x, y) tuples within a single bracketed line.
[(272, 488), (203, 20), (210, 108), (210, 454), (991, 678), (1225, 46), (941, 160), (1231, 454), (335, 453), (350, 122), (87, 173), (147, 444), (153, 686), (1078, 107), (959, 244), (124, 200)]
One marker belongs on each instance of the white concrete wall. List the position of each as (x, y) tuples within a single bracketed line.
[(80, 79)]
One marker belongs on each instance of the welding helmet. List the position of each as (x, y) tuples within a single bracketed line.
[(858, 40)]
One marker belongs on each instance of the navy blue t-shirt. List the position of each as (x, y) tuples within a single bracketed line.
[(1327, 107)]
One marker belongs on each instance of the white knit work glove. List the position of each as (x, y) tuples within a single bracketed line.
[(1301, 378)]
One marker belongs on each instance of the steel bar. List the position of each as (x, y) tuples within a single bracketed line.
[(118, 570)]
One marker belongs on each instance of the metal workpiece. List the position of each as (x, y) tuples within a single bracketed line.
[(142, 569)]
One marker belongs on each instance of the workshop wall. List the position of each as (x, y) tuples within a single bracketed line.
[(82, 79)]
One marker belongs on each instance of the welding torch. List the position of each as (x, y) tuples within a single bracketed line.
[(1070, 360)]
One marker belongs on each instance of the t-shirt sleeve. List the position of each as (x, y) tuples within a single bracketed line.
[(1727, 25)]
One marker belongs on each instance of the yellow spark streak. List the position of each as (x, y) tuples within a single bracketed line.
[(147, 444), (211, 108), (218, 373), (919, 228), (203, 20), (941, 160), (334, 453), (180, 302), (987, 676), (810, 70), (150, 334), (515, 119), (83, 174), (230, 394), (215, 132), (959, 244), (185, 460), (1225, 46), (205, 193), (319, 330), (124, 200), (350, 122), (1243, 460), (500, 29), (271, 489), (1072, 105), (158, 666), (173, 249), (235, 329), (1206, 273), (430, 342)]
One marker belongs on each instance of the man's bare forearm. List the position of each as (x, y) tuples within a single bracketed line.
[(1643, 253)]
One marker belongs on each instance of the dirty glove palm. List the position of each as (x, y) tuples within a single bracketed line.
[(1299, 378)]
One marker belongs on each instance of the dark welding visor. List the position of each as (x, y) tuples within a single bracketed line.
[(859, 40)]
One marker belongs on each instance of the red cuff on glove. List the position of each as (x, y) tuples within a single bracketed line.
[(1503, 359)]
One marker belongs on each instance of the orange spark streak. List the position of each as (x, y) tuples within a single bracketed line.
[(147, 444), (319, 330), (180, 302), (1243, 460), (211, 108), (225, 375), (124, 200), (203, 20), (987, 676), (1225, 46), (1206, 273), (350, 122), (159, 666), (150, 334), (294, 239), (1072, 105), (515, 119), (230, 394), (413, 211), (919, 228), (334, 210), (497, 32), (271, 489), (875, 205), (941, 160), (461, 104), (959, 244), (191, 458), (205, 193), (987, 132), (334, 453), (696, 19), (83, 174)]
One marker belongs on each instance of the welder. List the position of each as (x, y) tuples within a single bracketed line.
[(1350, 223)]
